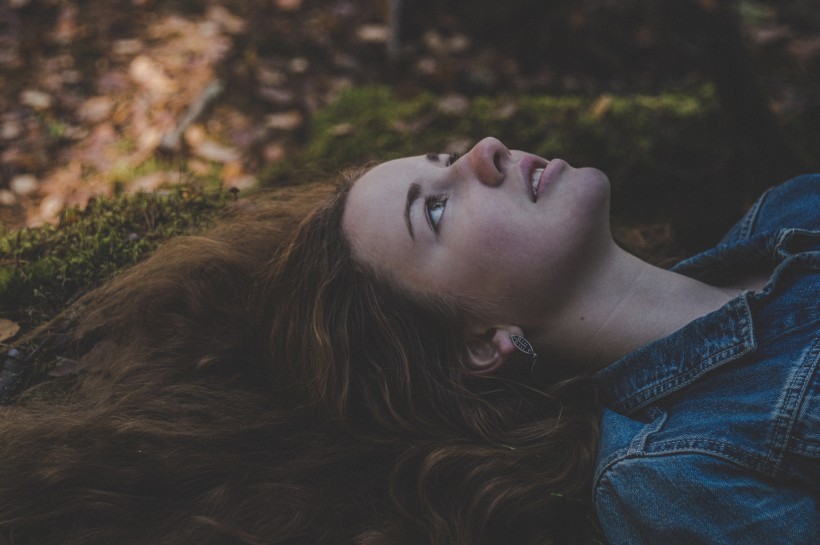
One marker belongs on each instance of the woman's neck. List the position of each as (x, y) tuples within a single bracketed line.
[(623, 303)]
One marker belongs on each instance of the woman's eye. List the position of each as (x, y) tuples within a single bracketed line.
[(435, 208), (452, 158)]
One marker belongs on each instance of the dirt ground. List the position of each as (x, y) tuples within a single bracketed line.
[(101, 96)]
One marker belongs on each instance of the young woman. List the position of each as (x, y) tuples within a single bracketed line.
[(712, 427), (420, 362)]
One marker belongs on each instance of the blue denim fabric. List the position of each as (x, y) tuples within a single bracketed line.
[(712, 434)]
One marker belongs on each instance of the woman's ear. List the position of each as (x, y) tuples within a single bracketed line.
[(488, 351)]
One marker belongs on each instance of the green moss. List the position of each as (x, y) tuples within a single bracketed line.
[(363, 124), (45, 267), (371, 123), (637, 139)]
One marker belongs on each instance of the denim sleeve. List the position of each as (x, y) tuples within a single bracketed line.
[(794, 204), (694, 499)]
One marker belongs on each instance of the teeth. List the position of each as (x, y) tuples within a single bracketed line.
[(536, 175)]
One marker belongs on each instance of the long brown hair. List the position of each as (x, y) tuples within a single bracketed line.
[(258, 385)]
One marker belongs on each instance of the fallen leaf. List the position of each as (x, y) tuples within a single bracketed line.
[(454, 104), (216, 152), (151, 75), (372, 33), (8, 329), (96, 109), (24, 184), (36, 99), (601, 106), (285, 121), (289, 5)]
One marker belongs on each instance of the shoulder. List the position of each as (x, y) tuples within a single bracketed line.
[(792, 204), (695, 498)]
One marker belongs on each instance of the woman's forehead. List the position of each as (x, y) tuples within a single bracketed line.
[(374, 217), (382, 186)]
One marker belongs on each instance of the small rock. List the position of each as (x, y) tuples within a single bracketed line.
[(286, 121), (24, 184), (35, 99), (372, 33)]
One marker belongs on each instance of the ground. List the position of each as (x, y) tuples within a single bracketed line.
[(102, 98)]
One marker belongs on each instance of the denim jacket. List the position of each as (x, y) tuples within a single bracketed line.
[(712, 434)]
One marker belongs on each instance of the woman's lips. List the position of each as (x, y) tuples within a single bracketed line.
[(529, 164), (552, 169)]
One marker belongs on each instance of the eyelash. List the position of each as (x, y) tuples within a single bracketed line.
[(429, 202), (438, 200)]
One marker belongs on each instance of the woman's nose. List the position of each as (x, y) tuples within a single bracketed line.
[(487, 159)]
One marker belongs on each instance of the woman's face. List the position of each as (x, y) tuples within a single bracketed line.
[(504, 231)]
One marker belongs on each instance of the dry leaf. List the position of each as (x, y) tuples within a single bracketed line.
[(289, 5), (601, 106), (286, 121), (8, 329), (372, 33), (216, 152)]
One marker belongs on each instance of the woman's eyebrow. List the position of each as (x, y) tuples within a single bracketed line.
[(413, 193), (432, 157)]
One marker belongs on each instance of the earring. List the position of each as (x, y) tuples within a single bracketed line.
[(524, 346)]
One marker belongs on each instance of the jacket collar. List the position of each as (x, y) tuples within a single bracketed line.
[(673, 362)]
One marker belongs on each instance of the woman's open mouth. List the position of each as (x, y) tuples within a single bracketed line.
[(535, 178)]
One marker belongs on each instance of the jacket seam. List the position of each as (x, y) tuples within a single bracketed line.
[(792, 401)]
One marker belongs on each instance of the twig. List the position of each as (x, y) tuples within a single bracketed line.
[(172, 139)]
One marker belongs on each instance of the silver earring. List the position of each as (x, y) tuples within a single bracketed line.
[(523, 345)]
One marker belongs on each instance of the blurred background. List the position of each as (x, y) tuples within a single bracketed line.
[(691, 106)]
